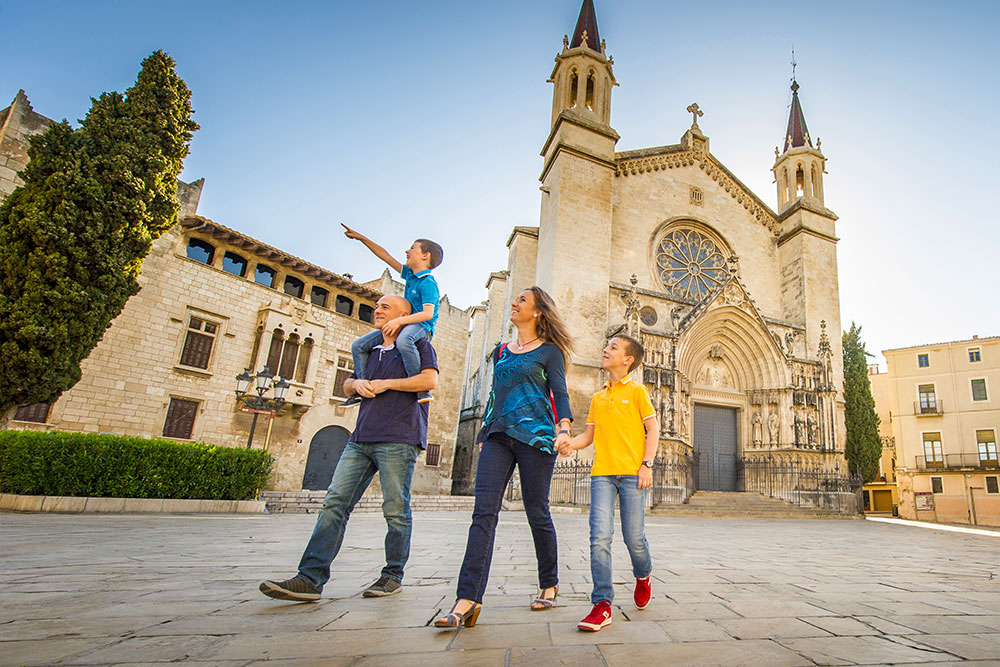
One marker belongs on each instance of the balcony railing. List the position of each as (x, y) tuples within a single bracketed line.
[(957, 461), (935, 408)]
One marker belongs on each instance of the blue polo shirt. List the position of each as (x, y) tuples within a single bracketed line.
[(393, 416), (421, 288)]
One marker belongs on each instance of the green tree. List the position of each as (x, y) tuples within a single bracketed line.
[(864, 446), (73, 237)]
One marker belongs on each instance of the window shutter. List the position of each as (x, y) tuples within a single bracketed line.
[(197, 350), (180, 418)]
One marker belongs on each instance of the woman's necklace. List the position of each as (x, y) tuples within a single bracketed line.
[(520, 345)]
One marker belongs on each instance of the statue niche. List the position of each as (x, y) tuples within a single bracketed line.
[(714, 373)]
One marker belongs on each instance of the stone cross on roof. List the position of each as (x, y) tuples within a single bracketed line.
[(695, 112)]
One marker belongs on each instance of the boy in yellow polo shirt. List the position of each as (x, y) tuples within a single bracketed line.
[(622, 426)]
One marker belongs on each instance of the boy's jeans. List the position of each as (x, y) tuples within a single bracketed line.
[(360, 461), (603, 491), (406, 342)]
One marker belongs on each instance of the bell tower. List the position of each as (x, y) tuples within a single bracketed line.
[(798, 169), (577, 181), (807, 246)]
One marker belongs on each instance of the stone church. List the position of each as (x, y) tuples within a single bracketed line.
[(735, 302)]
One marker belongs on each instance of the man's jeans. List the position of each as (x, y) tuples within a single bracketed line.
[(496, 465), (406, 343), (603, 491), (357, 466)]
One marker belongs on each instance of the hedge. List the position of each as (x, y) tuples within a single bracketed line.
[(54, 463)]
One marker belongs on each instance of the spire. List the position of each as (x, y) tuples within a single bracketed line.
[(586, 25), (797, 134)]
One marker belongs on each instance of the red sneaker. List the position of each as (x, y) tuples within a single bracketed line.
[(598, 617), (643, 592)]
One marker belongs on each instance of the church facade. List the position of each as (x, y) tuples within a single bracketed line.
[(735, 302)]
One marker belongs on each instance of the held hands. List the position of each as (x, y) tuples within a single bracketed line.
[(369, 388), (563, 445), (645, 477)]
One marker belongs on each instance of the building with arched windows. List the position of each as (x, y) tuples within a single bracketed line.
[(736, 302), (213, 302)]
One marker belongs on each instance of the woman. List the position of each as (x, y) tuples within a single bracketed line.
[(519, 428)]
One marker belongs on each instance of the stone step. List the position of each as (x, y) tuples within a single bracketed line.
[(737, 505), (311, 502)]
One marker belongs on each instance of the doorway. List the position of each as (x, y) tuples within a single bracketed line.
[(715, 445), (325, 449)]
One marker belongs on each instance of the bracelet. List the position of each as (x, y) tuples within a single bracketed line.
[(563, 431)]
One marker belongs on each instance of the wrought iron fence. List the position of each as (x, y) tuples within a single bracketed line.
[(804, 485), (673, 482)]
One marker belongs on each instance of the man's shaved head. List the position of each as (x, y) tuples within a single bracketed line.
[(389, 307)]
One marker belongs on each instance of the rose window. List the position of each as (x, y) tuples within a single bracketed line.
[(689, 264)]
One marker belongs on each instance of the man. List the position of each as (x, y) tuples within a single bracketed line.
[(390, 432)]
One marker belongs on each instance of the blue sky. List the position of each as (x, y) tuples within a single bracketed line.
[(425, 119)]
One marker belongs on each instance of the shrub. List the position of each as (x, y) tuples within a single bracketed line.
[(85, 464)]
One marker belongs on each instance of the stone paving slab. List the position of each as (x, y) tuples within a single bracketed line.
[(102, 590)]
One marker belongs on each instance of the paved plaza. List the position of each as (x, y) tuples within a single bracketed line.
[(141, 590)]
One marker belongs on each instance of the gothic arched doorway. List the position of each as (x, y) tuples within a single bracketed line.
[(325, 449), (715, 444)]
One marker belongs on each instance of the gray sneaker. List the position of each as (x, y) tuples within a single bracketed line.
[(383, 587), (296, 589)]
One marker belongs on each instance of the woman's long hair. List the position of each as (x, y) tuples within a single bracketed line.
[(550, 326)]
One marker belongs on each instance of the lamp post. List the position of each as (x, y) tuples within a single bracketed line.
[(255, 401)]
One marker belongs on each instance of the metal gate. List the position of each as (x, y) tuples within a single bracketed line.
[(715, 445)]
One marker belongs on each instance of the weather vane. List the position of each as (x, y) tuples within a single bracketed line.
[(793, 63)]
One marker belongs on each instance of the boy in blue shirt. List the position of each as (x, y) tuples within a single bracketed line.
[(421, 291)]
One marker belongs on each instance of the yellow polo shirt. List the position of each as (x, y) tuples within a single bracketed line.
[(618, 413)]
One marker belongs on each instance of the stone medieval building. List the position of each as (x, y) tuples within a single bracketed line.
[(736, 302), (213, 302)]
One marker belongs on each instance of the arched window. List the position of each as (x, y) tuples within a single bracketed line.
[(590, 91), (255, 352), (274, 352), (200, 251), (366, 313), (344, 305), (302, 366), (800, 181), (234, 264), (294, 286), (319, 296), (264, 275), (573, 83), (689, 264), (289, 355)]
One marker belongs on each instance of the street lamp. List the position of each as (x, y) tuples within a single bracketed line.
[(261, 382)]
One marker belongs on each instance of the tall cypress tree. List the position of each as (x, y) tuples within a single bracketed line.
[(73, 237), (864, 446)]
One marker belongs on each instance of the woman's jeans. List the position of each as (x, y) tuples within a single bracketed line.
[(406, 343), (603, 491), (496, 465)]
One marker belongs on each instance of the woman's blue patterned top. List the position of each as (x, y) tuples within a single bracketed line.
[(520, 402)]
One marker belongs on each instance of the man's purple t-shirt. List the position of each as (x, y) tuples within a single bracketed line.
[(393, 416)]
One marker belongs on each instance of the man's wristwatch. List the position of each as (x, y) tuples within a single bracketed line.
[(648, 464), (563, 431)]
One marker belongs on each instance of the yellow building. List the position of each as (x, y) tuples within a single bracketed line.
[(881, 495), (945, 416)]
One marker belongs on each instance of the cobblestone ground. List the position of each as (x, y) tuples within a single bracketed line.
[(139, 590)]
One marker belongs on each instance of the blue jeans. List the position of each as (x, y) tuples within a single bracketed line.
[(406, 343), (496, 465), (603, 491), (357, 466)]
